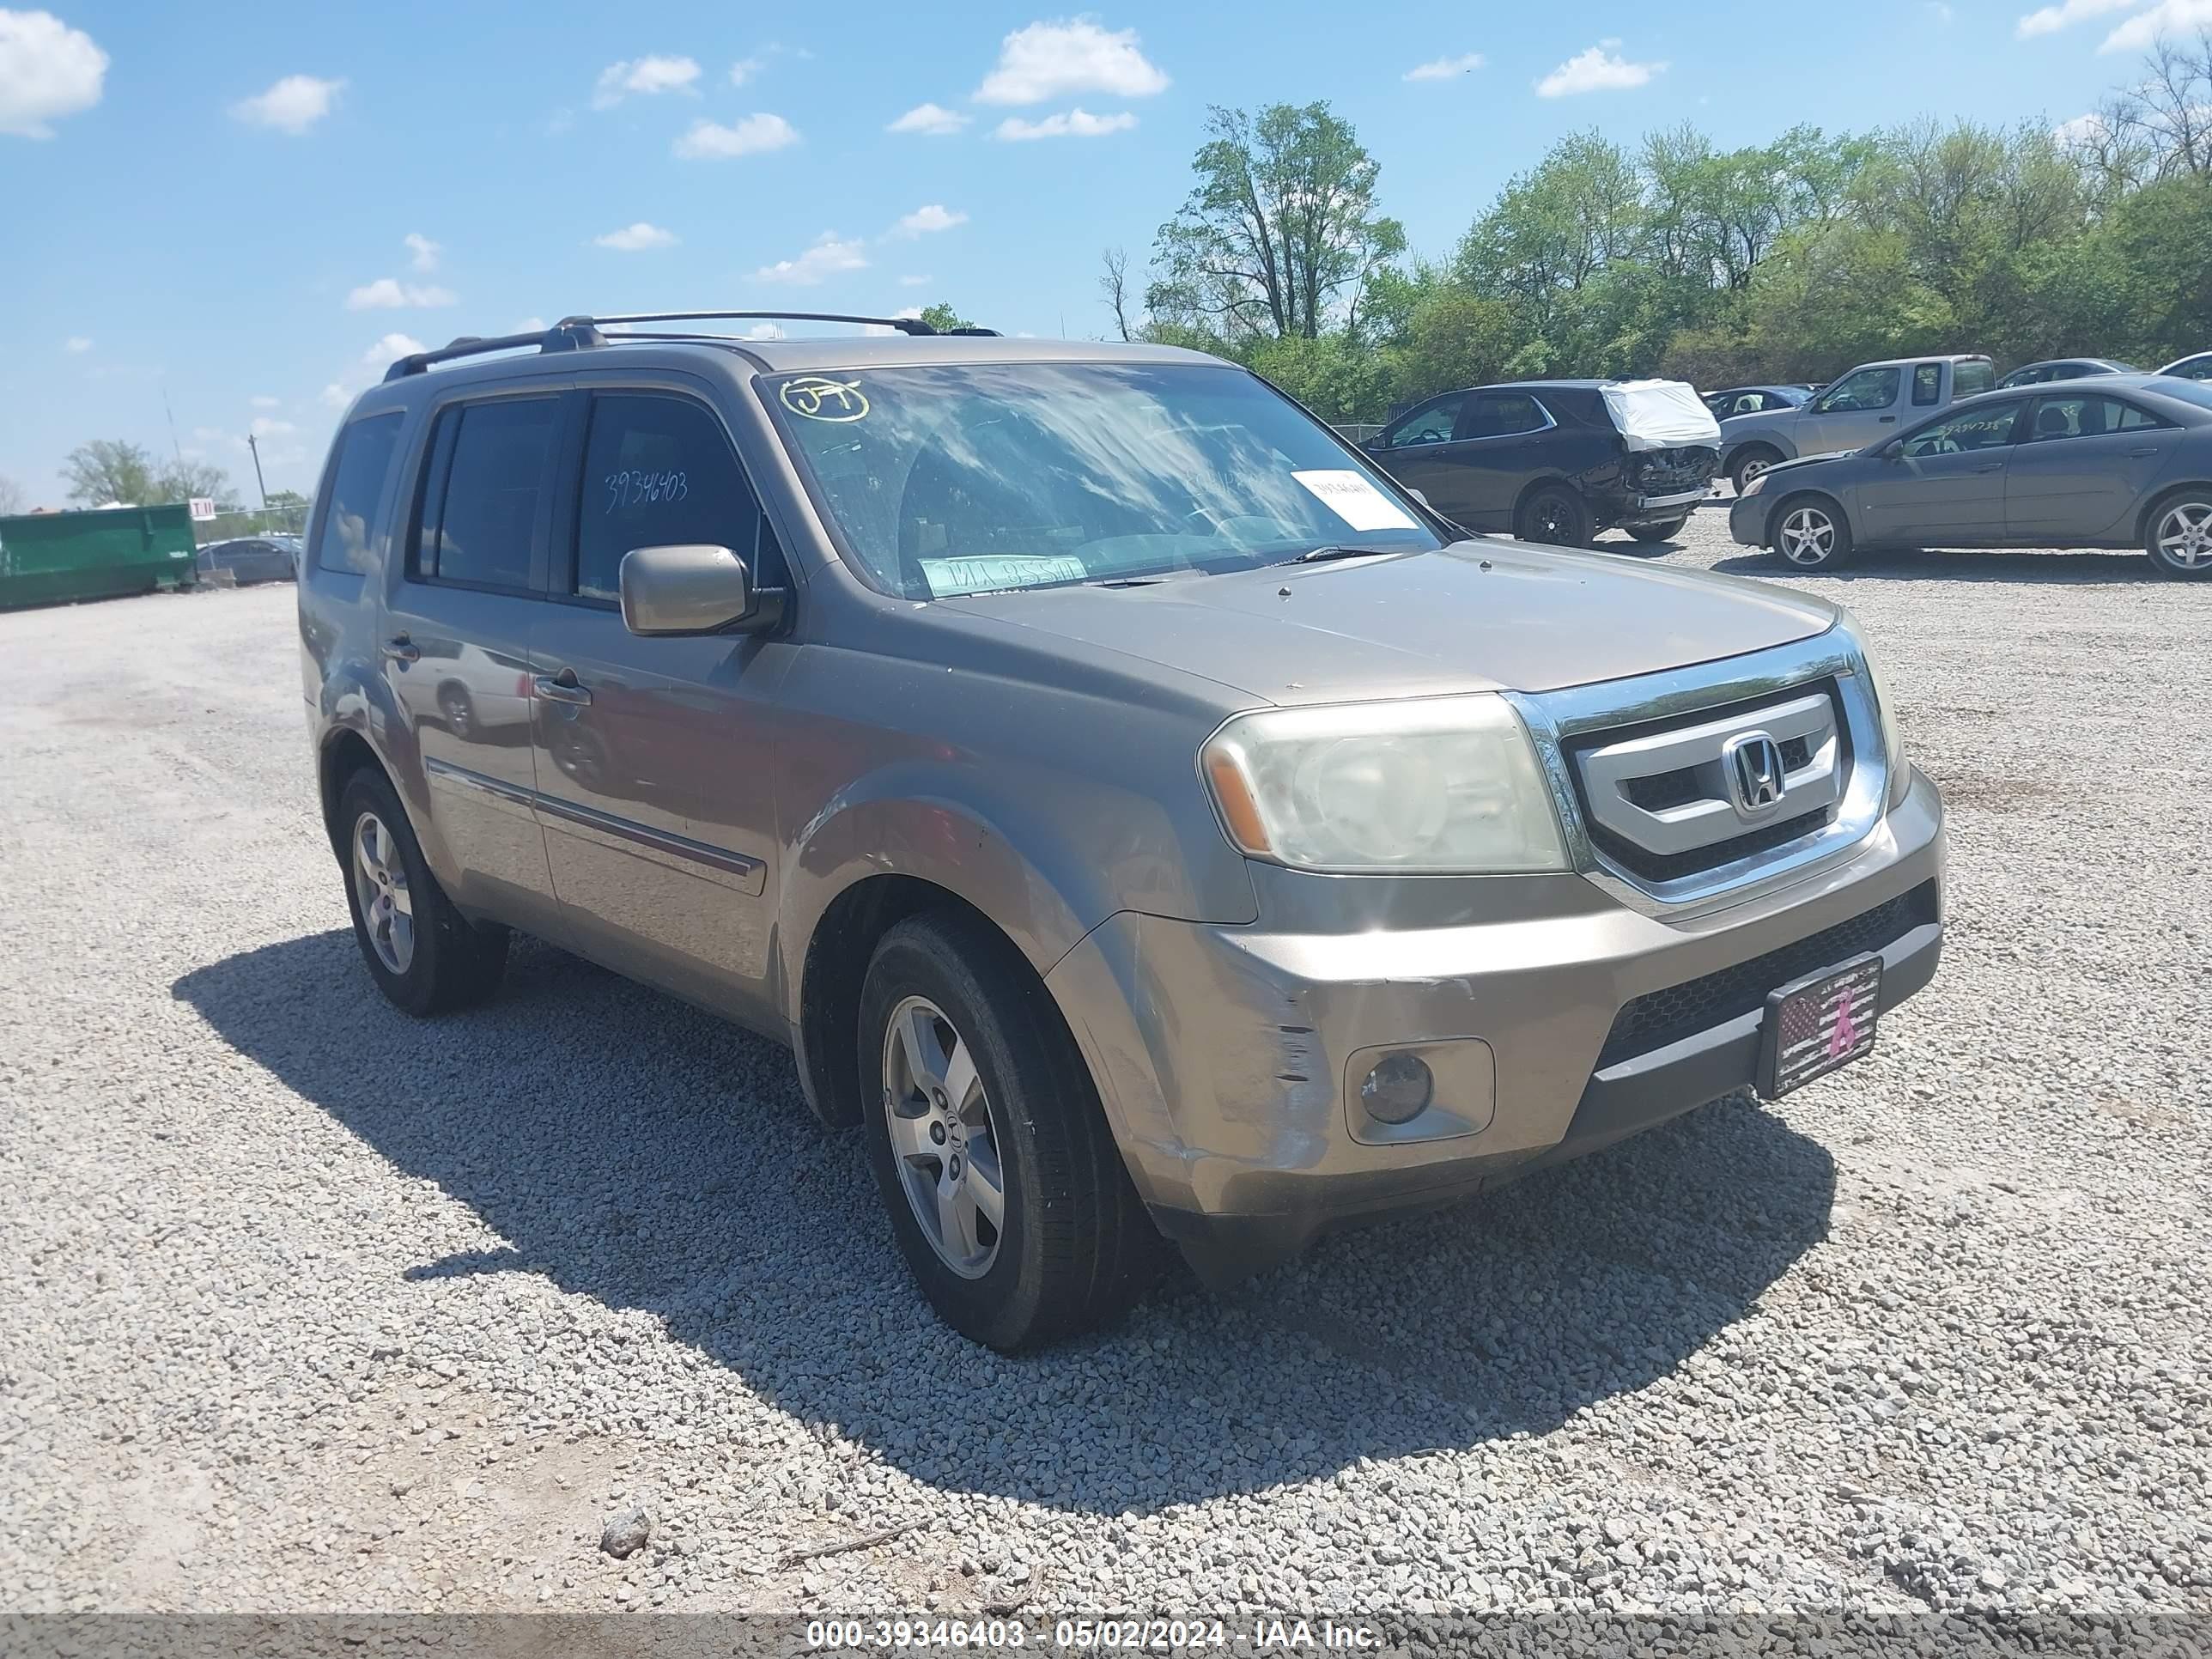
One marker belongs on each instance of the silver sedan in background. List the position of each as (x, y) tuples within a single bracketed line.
[(2124, 461)]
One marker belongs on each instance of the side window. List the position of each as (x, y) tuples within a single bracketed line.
[(2078, 415), (1970, 380), (1869, 388), (1503, 413), (1431, 425), (1983, 426), (660, 469), (1927, 384), (348, 535), (480, 517)]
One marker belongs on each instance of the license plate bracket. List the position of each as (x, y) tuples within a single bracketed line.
[(1819, 1024)]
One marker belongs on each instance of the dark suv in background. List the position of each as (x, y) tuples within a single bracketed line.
[(1557, 460)]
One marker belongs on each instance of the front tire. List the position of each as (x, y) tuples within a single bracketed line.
[(1659, 533), (1749, 463), (1555, 514), (2178, 535), (1007, 1192), (1811, 533), (424, 955)]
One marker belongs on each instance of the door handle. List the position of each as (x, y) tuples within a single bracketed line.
[(561, 688), (2147, 449), (1990, 466), (1889, 420), (400, 648)]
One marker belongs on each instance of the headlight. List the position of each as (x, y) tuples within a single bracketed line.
[(1435, 786), (1893, 738)]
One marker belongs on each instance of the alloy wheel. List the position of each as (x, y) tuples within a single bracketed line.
[(943, 1141), (380, 886), (2185, 536), (1808, 536)]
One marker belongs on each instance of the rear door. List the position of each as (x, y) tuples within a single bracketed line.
[(456, 639), (2085, 461), (1945, 484), (1418, 450), (656, 756)]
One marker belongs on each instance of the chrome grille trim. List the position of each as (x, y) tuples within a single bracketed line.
[(1554, 718)]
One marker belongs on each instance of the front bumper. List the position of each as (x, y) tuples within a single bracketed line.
[(1659, 506), (1747, 517), (1229, 1059)]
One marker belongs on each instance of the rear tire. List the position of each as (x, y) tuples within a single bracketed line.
[(424, 955), (1747, 464), (1810, 533), (1659, 533), (947, 1001), (1555, 514), (2178, 535)]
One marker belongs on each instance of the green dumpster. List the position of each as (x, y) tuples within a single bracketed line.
[(53, 558)]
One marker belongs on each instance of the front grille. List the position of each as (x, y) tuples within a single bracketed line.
[(1659, 1017), (1655, 795)]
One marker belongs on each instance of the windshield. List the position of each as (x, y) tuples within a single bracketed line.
[(984, 478)]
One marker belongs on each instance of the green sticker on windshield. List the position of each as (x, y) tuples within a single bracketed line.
[(821, 398)]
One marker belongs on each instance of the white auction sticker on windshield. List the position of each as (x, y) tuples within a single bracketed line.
[(983, 573), (1354, 499)]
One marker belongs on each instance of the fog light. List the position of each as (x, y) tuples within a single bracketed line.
[(1397, 1090)]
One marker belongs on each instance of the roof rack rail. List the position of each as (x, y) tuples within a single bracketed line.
[(579, 333)]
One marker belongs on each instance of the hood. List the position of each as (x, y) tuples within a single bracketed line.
[(1475, 617), (1740, 424), (1803, 461)]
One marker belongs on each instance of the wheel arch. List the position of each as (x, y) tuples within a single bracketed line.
[(1789, 498), (839, 949), (1547, 481), (2151, 507)]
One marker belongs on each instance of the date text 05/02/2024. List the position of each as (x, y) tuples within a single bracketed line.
[(1097, 1634)]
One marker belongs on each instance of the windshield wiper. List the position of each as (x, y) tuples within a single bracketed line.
[(1323, 554)]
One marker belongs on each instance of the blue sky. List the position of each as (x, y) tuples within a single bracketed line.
[(237, 205)]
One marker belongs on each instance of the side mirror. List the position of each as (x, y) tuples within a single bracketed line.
[(694, 588)]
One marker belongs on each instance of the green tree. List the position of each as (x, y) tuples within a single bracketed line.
[(181, 481), (13, 498), (107, 470), (1280, 236), (943, 319)]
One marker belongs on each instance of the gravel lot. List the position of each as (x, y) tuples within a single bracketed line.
[(314, 1307)]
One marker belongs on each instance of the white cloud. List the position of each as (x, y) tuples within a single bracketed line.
[(2141, 31), (47, 71), (924, 220), (1444, 68), (916, 282), (529, 326), (2048, 20), (263, 400), (1942, 12), (745, 67), (1601, 69), (292, 104), (933, 119), (763, 331), (1055, 60), (645, 77), (636, 239), (826, 258), (335, 395), (1069, 123), (392, 345), (2080, 130), (425, 251), (389, 294), (263, 427), (753, 135), (75, 344)]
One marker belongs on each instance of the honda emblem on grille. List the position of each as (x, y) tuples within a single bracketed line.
[(1751, 761)]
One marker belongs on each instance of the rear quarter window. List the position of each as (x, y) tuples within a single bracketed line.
[(350, 536)]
